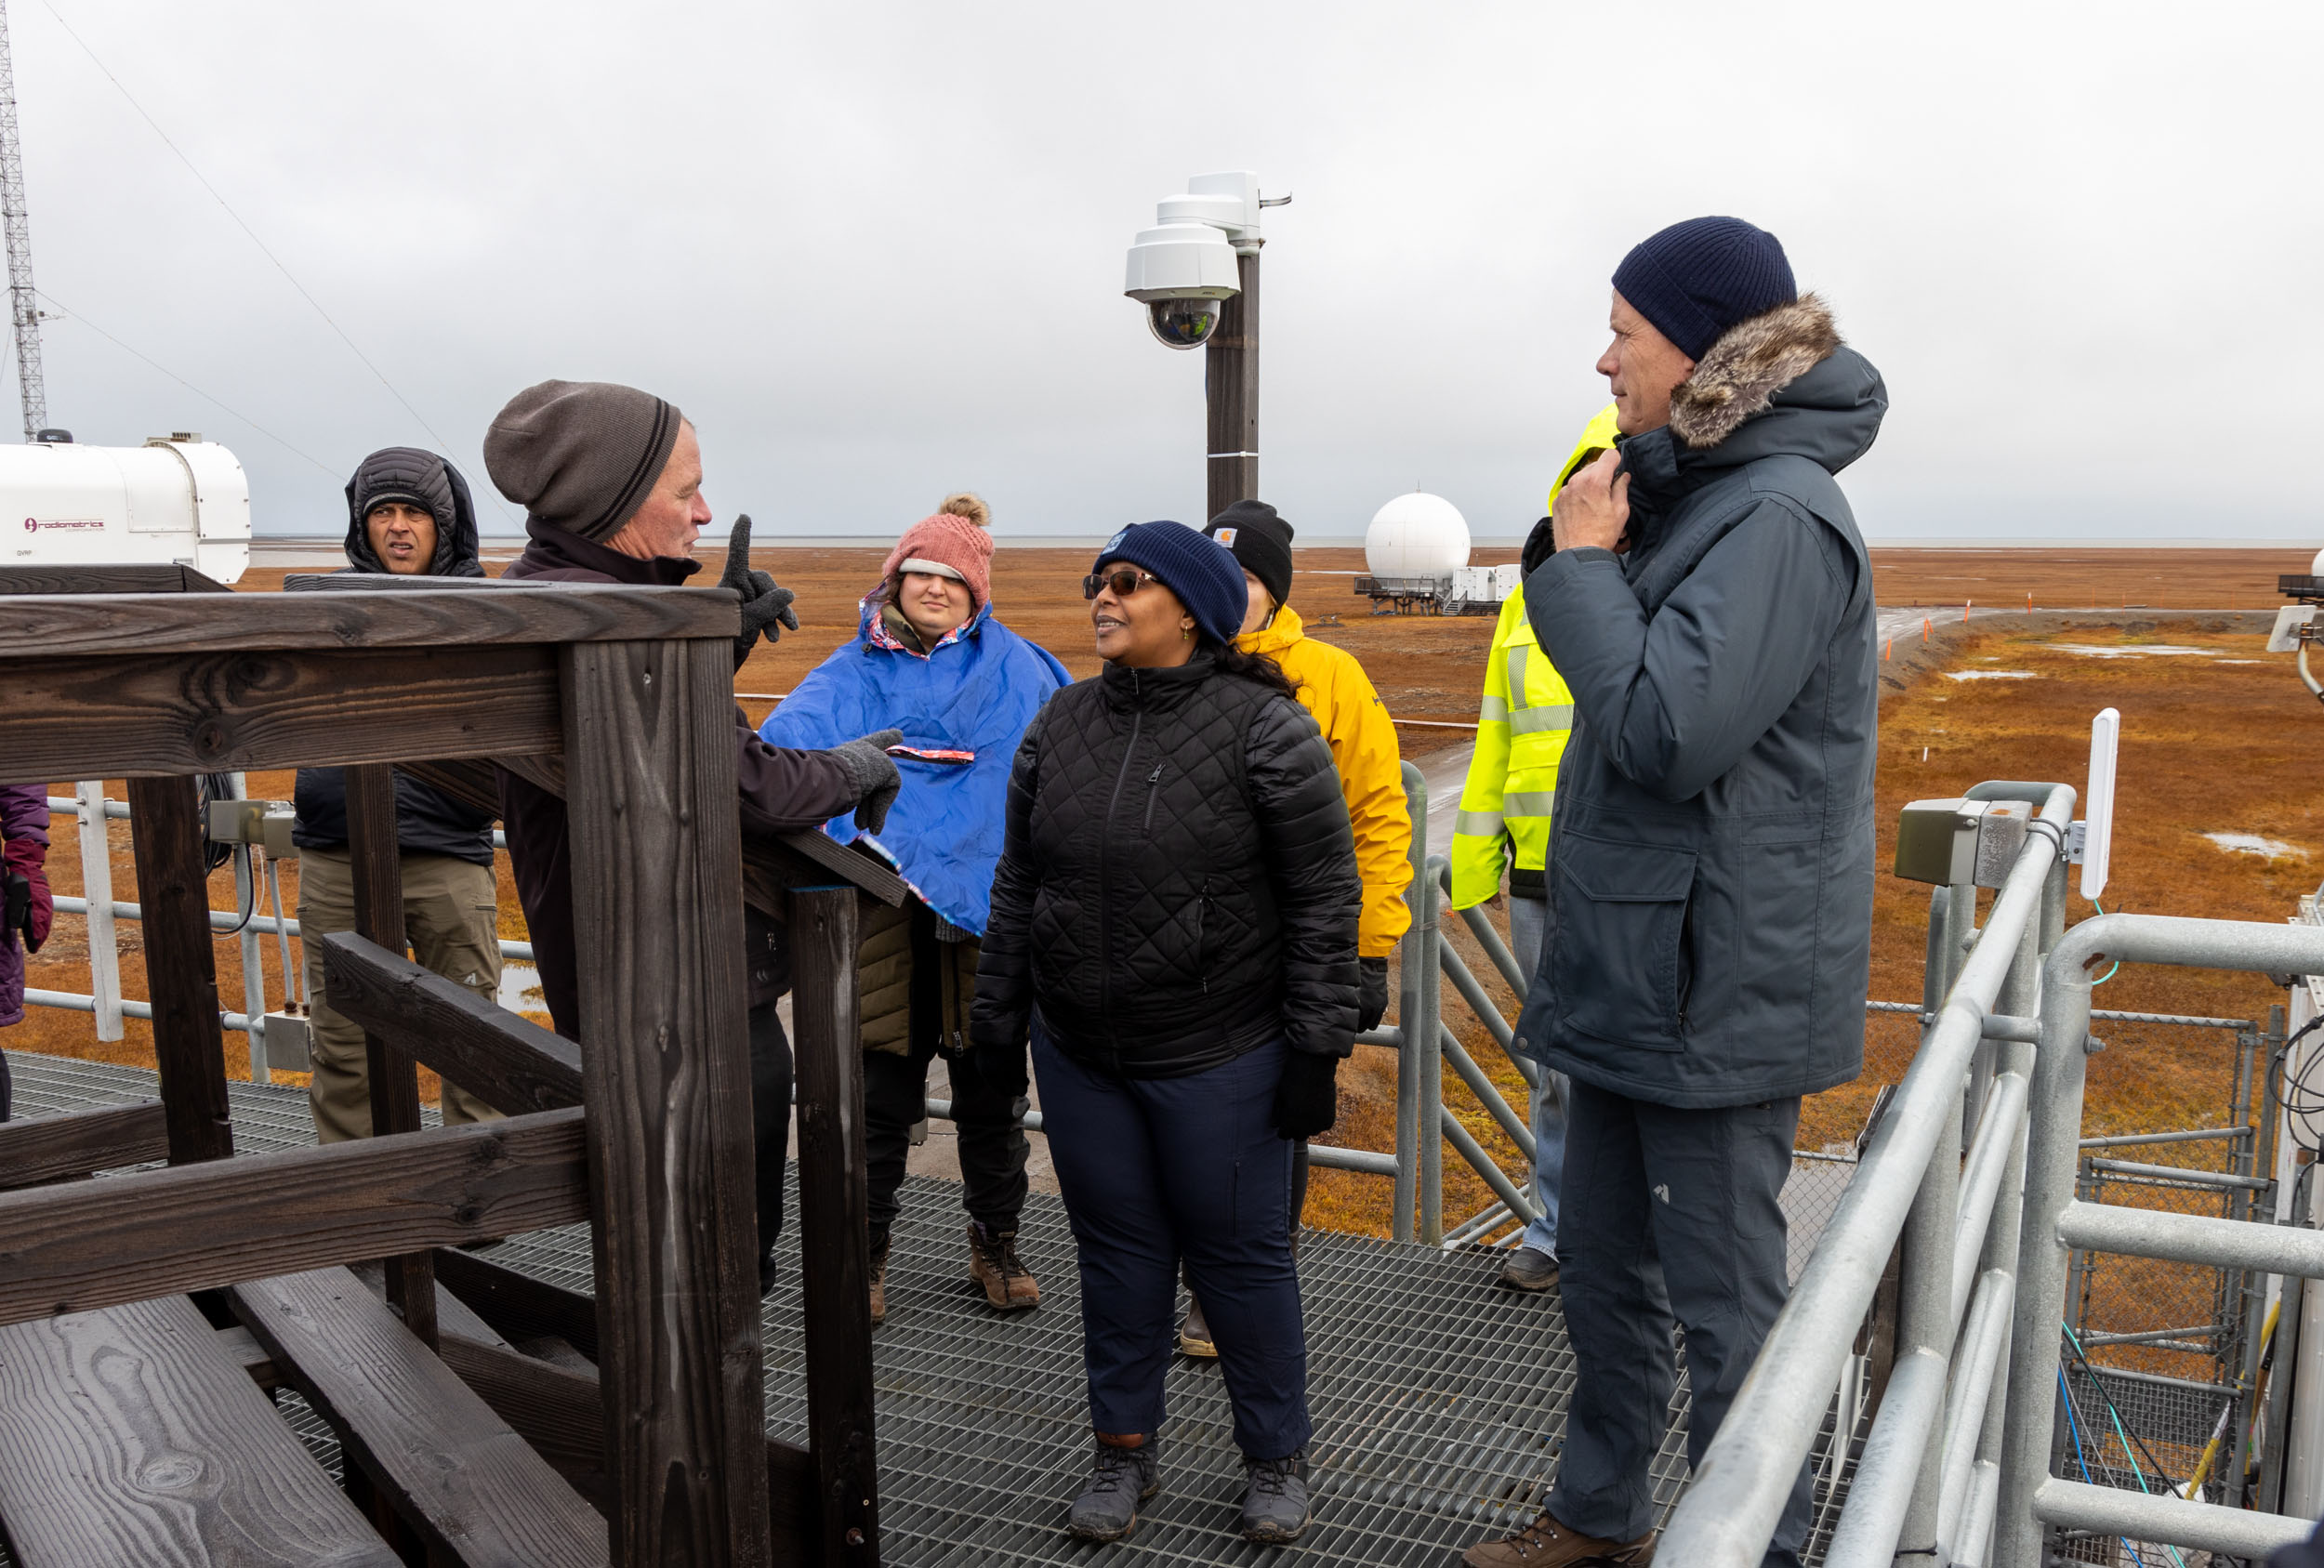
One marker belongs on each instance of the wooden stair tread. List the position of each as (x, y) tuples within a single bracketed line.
[(132, 1436), (467, 1483)]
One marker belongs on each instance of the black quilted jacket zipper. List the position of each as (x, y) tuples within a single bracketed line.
[(1106, 858)]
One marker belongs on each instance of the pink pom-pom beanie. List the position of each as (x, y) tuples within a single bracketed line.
[(948, 546)]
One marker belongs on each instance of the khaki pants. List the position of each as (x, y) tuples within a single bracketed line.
[(451, 918)]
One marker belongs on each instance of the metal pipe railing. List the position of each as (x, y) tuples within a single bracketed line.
[(1729, 1515)]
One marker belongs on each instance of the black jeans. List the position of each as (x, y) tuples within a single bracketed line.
[(992, 1146), (1666, 1212), (770, 1115)]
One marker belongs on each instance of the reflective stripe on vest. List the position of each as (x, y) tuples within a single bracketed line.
[(1517, 675), (1528, 802), (1477, 824), (1533, 721), (1492, 710)]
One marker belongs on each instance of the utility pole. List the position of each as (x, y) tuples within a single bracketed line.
[(1196, 273), (1231, 378), (23, 304)]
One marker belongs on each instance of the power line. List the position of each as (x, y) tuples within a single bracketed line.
[(263, 250), (72, 314)]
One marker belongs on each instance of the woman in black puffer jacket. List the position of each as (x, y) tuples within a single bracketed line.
[(1174, 921)]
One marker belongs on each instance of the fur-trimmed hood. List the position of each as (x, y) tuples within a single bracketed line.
[(1753, 360)]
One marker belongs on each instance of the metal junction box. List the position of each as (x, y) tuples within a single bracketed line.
[(1955, 843)]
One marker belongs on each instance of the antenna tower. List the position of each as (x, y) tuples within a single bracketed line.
[(23, 304)]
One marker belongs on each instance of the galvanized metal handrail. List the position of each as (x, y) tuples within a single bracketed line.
[(1909, 1169)]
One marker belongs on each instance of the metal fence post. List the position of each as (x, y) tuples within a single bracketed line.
[(253, 969), (97, 885), (1416, 977), (2053, 1124), (1429, 1057)]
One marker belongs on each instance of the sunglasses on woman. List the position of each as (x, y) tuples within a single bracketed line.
[(1123, 580)]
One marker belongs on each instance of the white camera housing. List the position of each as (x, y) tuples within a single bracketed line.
[(1182, 266)]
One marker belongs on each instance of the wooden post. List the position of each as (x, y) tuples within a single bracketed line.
[(835, 1262), (377, 857), (181, 967), (1231, 375), (657, 901)]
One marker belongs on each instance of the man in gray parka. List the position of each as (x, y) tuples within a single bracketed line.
[(1709, 872)]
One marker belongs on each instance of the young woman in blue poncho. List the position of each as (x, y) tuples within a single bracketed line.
[(931, 659)]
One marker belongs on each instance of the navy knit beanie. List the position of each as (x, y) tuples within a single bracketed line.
[(1696, 279), (1202, 571)]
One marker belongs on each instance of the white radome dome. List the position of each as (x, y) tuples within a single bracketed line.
[(2315, 567), (1417, 535)]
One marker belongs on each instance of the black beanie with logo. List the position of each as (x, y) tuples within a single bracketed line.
[(1261, 542)]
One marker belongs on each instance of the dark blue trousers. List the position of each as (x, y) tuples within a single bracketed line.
[(1154, 1170), (1666, 1212)]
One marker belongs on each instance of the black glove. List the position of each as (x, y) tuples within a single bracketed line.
[(1307, 1101), (764, 605), (872, 774), (1371, 993), (16, 914), (1001, 1069), (1540, 545)]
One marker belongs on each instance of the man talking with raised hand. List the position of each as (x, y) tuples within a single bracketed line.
[(1710, 880), (610, 479)]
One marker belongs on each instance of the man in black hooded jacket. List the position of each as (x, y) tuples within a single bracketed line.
[(408, 514)]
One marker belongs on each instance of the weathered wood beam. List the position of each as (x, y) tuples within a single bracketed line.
[(180, 965), (75, 1143), (110, 715), (133, 1435), (451, 1468), (517, 1305), (172, 578), (511, 1063), (558, 1410), (375, 855), (833, 1192), (658, 912), (149, 1232), (49, 627)]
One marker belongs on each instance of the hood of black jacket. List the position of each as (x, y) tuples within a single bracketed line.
[(456, 541)]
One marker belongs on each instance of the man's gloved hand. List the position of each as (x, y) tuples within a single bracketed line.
[(1307, 1101), (1371, 993), (872, 773), (765, 606)]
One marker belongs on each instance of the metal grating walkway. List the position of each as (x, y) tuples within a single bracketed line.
[(1438, 1399)]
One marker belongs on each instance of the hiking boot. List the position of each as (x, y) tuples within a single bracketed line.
[(878, 1271), (1529, 1268), (993, 1263), (1274, 1499), (1547, 1544), (1119, 1479), (1194, 1335)]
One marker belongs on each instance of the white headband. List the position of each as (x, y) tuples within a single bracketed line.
[(932, 568)]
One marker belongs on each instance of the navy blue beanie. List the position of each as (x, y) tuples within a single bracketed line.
[(1696, 279), (1203, 572)]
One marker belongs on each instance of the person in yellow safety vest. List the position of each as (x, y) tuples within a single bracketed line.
[(1504, 825), (1333, 687)]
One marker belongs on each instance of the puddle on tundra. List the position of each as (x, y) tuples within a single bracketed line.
[(2135, 649), (1989, 675), (2252, 844)]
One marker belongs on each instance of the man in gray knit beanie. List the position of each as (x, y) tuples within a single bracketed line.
[(610, 479)]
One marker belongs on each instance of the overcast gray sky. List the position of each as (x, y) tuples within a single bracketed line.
[(875, 250)]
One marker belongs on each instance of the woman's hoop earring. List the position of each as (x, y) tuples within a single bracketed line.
[(1184, 635)]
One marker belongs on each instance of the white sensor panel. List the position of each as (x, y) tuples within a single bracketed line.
[(2106, 731)]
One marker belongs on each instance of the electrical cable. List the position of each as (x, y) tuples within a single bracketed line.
[(2124, 1435), (73, 315), (2117, 963), (2074, 1430), (263, 249), (2301, 1101)]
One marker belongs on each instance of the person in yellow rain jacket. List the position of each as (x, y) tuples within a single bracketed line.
[(1355, 725), (1503, 825)]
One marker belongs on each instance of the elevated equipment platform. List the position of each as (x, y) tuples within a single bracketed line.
[(1438, 1397)]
